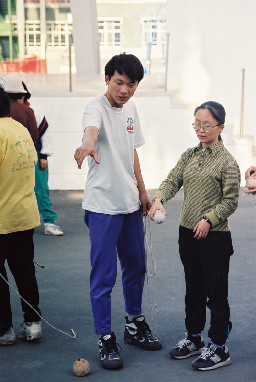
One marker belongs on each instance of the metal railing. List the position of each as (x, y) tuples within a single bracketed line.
[(242, 106)]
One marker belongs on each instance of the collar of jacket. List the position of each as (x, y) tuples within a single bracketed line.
[(212, 149)]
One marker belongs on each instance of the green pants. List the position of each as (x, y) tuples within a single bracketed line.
[(42, 194)]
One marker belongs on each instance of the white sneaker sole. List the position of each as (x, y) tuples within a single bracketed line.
[(53, 234), (29, 337), (216, 366), (196, 352), (8, 342)]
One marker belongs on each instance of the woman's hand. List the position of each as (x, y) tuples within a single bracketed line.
[(157, 205), (201, 229)]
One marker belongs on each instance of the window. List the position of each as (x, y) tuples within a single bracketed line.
[(47, 2), (154, 31), (57, 33), (32, 33), (110, 31)]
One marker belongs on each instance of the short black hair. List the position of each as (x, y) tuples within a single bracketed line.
[(4, 104), (15, 96), (216, 109), (127, 64)]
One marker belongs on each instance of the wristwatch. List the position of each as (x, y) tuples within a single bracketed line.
[(161, 200), (207, 220)]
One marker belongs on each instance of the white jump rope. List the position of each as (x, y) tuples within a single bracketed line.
[(158, 218), (42, 318)]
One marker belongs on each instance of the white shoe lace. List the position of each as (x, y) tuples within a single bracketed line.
[(183, 343), (208, 352), (58, 227)]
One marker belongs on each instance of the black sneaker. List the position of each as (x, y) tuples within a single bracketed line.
[(138, 333), (187, 347), (212, 357), (109, 354)]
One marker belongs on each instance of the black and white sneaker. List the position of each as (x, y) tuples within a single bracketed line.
[(212, 357), (109, 354), (7, 337), (138, 333), (30, 331), (187, 347)]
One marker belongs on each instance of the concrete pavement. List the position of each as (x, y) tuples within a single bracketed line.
[(65, 303)]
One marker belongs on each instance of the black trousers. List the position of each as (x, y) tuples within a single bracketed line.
[(206, 266), (18, 249)]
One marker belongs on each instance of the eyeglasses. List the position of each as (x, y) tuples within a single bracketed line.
[(206, 128)]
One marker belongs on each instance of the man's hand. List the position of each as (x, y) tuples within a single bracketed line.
[(43, 164), (201, 229), (88, 146), (145, 203), (82, 152)]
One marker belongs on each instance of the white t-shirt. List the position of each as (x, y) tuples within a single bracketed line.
[(111, 186)]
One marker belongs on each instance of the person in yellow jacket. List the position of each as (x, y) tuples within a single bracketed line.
[(18, 217)]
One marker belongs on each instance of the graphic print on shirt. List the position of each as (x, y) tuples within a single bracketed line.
[(25, 155), (130, 125)]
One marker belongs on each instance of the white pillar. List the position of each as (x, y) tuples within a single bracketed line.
[(186, 70), (43, 28), (21, 28), (86, 36)]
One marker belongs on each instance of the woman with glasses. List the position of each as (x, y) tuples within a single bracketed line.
[(210, 178)]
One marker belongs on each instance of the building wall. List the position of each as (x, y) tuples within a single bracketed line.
[(132, 41), (131, 26), (167, 129), (53, 12), (210, 42), (157, 156)]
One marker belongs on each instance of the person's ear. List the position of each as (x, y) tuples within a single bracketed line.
[(106, 79)]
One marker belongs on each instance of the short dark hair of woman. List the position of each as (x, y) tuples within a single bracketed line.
[(216, 110), (4, 104), (127, 64), (15, 96)]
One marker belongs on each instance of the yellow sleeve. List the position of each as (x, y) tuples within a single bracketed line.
[(2, 148)]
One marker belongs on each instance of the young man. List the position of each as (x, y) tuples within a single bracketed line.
[(113, 199)]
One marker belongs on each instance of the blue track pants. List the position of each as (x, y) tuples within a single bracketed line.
[(113, 235)]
